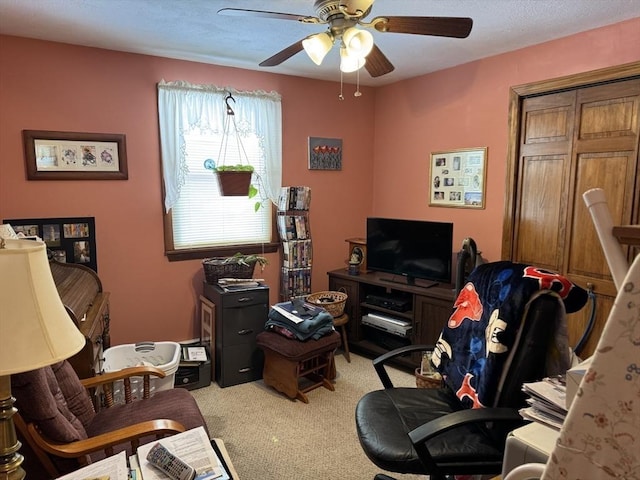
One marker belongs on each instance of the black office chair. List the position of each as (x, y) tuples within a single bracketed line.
[(508, 326)]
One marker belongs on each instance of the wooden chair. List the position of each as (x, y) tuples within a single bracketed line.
[(60, 427)]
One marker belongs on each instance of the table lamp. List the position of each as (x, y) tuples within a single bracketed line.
[(35, 331)]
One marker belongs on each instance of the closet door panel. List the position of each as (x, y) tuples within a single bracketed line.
[(545, 154), (609, 113), (540, 228), (613, 172), (547, 124)]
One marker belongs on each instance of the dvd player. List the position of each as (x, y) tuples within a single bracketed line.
[(395, 326), (397, 304)]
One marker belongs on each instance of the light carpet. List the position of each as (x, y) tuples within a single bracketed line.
[(271, 437)]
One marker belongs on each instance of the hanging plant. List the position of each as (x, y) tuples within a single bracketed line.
[(234, 180)]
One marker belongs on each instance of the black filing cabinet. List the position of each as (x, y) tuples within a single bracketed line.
[(239, 317)]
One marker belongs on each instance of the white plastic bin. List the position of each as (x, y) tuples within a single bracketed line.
[(164, 355)]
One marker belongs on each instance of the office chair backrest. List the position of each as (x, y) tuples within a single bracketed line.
[(536, 341), (483, 336)]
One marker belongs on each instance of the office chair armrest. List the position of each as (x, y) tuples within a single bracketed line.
[(131, 434), (462, 417), (421, 434), (379, 362)]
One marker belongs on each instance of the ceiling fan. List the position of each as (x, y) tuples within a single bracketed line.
[(343, 17)]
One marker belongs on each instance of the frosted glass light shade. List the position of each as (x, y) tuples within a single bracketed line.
[(350, 63), (357, 42), (317, 46), (35, 328)]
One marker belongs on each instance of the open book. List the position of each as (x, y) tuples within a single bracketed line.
[(111, 468)]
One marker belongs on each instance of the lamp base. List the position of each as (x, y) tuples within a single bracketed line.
[(10, 459)]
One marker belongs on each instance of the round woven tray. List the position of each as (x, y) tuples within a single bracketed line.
[(428, 381), (332, 302)]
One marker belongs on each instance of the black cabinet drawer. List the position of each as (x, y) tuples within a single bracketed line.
[(245, 299), (240, 364), (241, 325), (240, 299)]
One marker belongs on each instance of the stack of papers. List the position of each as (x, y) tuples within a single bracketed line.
[(547, 402), (239, 284)]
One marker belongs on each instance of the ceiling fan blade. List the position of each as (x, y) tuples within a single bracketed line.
[(457, 27), (283, 55), (377, 63), (242, 12)]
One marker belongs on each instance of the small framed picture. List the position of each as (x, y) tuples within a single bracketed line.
[(325, 153)]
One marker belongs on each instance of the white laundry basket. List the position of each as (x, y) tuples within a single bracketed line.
[(164, 355)]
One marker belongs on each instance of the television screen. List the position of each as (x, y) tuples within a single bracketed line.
[(414, 249)]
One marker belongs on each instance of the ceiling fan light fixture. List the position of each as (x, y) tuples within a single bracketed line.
[(350, 63), (358, 42), (317, 46)]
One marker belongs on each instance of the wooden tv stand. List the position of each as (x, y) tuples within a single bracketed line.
[(428, 311)]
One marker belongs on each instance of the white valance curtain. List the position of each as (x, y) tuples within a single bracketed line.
[(183, 106)]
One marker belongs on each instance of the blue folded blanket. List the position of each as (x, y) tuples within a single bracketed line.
[(312, 326)]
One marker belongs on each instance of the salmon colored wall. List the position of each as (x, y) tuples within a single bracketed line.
[(385, 133), (51, 86), (467, 106)]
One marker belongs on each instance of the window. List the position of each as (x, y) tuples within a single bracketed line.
[(198, 219)]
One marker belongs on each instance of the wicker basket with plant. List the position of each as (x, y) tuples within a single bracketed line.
[(237, 266)]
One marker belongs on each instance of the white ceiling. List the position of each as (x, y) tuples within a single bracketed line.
[(192, 30)]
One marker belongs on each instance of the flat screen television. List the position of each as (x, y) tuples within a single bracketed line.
[(410, 250)]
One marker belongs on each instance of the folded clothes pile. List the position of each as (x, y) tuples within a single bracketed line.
[(301, 321)]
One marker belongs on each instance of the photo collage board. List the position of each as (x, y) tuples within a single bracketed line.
[(69, 240), (458, 178)]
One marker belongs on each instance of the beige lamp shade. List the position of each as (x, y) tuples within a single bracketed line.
[(317, 46), (350, 63), (358, 43), (35, 329)]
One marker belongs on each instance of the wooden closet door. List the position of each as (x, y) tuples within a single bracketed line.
[(545, 161), (571, 142), (605, 153)]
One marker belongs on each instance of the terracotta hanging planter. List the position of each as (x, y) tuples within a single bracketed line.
[(234, 183)]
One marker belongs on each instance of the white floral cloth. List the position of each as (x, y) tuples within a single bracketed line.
[(600, 438)]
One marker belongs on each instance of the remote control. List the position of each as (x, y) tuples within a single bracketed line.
[(167, 462)]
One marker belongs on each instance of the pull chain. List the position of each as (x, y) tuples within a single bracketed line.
[(357, 93), (341, 97)]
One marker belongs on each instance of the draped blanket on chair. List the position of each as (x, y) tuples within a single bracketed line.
[(491, 307)]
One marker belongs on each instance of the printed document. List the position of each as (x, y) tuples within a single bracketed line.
[(192, 447)]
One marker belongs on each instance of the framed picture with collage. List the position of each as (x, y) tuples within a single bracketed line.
[(70, 240), (458, 178)]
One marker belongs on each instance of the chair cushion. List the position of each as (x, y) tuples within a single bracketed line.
[(384, 436), (296, 350), (74, 392), (174, 404), (40, 400)]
